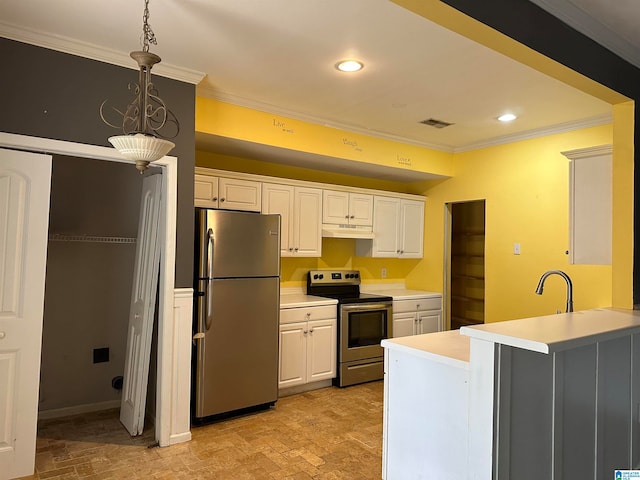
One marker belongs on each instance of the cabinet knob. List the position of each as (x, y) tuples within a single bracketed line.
[(347, 216), (352, 216), (417, 306), (214, 199), (296, 249), (308, 315), (222, 199), (2, 335), (291, 249), (305, 332), (311, 331)]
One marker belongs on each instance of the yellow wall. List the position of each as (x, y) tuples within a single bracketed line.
[(231, 121), (526, 188)]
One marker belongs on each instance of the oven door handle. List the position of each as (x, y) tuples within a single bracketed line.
[(365, 306)]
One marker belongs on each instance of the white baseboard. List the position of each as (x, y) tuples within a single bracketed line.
[(76, 409), (307, 387), (179, 438)]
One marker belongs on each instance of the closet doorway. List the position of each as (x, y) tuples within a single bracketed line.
[(464, 263), (93, 223), (174, 307)]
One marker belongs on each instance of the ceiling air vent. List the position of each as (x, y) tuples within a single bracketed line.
[(432, 122)]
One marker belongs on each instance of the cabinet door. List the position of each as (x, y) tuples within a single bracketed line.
[(293, 353), (411, 229), (360, 209), (386, 224), (307, 228), (237, 194), (404, 324), (429, 322), (205, 191), (321, 350), (335, 207), (278, 199)]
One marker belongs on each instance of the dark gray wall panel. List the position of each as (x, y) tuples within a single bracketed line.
[(50, 94)]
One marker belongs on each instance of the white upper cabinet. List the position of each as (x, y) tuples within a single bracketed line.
[(227, 193), (411, 230), (394, 220), (205, 191), (236, 194), (346, 208), (300, 210), (398, 228), (590, 205)]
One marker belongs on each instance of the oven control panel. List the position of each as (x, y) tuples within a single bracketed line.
[(334, 277)]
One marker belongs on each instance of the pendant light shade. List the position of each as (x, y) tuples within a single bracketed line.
[(141, 148)]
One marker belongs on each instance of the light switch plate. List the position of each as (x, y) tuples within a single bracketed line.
[(516, 249)]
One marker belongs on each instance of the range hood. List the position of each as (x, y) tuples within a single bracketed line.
[(347, 231)]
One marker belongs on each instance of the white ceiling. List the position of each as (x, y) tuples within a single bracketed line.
[(279, 56)]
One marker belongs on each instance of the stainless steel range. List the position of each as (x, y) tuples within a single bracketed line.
[(364, 320)]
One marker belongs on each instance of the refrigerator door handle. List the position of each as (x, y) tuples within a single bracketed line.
[(208, 311), (210, 254)]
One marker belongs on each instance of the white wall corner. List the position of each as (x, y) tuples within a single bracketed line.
[(181, 367)]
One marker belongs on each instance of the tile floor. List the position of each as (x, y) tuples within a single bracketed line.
[(329, 433)]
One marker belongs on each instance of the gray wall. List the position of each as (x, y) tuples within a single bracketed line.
[(44, 93)]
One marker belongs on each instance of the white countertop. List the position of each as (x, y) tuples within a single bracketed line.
[(299, 299), (448, 347), (554, 333), (397, 291)]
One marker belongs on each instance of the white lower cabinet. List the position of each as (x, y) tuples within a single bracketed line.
[(417, 316), (308, 345)]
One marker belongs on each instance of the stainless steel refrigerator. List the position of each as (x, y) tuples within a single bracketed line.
[(237, 311)]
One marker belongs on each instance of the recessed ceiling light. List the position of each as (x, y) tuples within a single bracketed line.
[(349, 65), (507, 117)]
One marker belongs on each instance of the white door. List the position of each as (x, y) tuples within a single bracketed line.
[(141, 312), (25, 183)]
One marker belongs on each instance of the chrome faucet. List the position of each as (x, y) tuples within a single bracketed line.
[(566, 279)]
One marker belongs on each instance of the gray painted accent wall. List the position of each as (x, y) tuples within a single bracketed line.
[(49, 94)]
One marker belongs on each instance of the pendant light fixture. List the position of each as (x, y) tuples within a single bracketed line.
[(146, 115)]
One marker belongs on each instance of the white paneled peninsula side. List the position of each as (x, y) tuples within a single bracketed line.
[(544, 397)]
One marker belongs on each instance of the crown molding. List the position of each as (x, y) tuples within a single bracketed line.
[(530, 134), (94, 52), (538, 132), (588, 152), (584, 23), (276, 110)]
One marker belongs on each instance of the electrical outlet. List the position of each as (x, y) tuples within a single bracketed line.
[(516, 249), (100, 355), (383, 272)]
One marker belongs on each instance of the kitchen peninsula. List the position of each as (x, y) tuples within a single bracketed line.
[(544, 397)]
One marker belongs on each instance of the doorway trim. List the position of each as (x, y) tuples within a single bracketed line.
[(174, 305)]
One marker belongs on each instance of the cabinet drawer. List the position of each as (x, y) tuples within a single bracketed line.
[(290, 315), (417, 304)]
